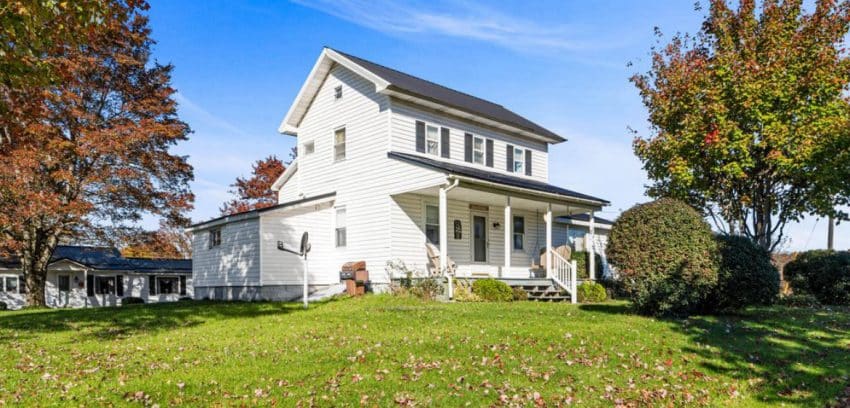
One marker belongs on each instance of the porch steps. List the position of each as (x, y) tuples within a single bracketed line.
[(540, 290)]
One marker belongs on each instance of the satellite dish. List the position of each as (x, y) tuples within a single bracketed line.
[(305, 243)]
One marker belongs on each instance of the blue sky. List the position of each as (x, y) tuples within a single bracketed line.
[(239, 65)]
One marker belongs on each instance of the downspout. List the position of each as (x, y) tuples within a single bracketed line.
[(444, 233)]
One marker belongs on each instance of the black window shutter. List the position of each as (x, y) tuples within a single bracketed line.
[(444, 143), (22, 285), (489, 160), (152, 285), (182, 284), (119, 285), (527, 162), (510, 154), (90, 285), (467, 147), (420, 136)]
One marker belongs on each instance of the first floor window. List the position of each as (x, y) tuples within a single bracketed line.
[(341, 239), (519, 157), (432, 224), (478, 150), (432, 140), (9, 284), (339, 144), (167, 285), (64, 283), (519, 233), (104, 285), (215, 237)]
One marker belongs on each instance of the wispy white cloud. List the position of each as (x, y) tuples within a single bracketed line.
[(457, 19)]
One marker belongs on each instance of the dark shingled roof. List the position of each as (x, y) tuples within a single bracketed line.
[(450, 97), (586, 218), (105, 258), (491, 176)]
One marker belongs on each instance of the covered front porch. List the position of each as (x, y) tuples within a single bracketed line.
[(476, 228)]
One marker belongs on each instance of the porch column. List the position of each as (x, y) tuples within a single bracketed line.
[(591, 253), (549, 241), (509, 228), (444, 238)]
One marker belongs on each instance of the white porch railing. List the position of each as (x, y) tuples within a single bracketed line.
[(563, 272)]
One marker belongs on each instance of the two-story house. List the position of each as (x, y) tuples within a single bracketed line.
[(386, 163)]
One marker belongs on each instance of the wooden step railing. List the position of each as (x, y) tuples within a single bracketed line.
[(563, 272)]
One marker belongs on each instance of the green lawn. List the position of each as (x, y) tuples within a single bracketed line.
[(383, 351)]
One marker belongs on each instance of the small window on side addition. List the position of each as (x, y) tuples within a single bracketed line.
[(341, 235), (338, 92), (215, 237), (308, 147)]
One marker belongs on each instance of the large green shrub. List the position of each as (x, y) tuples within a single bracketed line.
[(492, 290), (582, 259), (591, 292), (746, 276), (824, 274), (665, 254)]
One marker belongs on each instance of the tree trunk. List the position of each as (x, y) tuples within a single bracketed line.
[(35, 257)]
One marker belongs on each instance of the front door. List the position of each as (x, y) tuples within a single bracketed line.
[(479, 238)]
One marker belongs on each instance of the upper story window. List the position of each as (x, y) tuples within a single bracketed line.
[(432, 224), (341, 228), (432, 140), (478, 152), (308, 148), (338, 92), (215, 237), (339, 144), (519, 158)]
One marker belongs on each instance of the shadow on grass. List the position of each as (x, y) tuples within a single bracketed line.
[(789, 355), (117, 322)]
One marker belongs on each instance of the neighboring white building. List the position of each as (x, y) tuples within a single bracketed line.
[(81, 276), (387, 162)]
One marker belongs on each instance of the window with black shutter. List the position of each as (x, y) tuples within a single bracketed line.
[(527, 162), (182, 284), (90, 285), (119, 285), (467, 147), (489, 148), (510, 161), (22, 286), (152, 285), (420, 136), (445, 147)]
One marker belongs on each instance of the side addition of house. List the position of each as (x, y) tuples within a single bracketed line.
[(393, 167)]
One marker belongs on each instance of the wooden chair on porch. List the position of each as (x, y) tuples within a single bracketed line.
[(434, 260)]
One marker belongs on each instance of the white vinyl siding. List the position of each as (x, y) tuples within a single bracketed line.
[(236, 262)]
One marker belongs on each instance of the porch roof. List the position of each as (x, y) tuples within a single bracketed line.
[(496, 178)]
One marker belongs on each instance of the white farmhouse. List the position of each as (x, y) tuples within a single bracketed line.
[(388, 162)]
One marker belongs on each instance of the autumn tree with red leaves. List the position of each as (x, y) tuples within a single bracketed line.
[(169, 241), (750, 117), (255, 192), (85, 154)]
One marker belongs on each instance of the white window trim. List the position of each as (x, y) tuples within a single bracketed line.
[(212, 242), (344, 144), (483, 150), (425, 205), (336, 227), (439, 136), (59, 288), (519, 157), (3, 279), (157, 278)]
